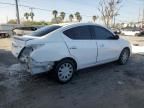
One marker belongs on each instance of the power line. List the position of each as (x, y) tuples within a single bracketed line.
[(31, 7)]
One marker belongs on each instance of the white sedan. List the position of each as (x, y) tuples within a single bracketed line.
[(68, 48), (130, 32)]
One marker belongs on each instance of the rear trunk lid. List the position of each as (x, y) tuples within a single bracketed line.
[(19, 42)]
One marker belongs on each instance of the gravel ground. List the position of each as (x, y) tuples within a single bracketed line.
[(106, 86)]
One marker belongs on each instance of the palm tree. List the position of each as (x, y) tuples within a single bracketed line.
[(71, 17), (26, 15), (77, 16), (62, 15), (80, 18), (31, 15), (55, 13), (95, 18)]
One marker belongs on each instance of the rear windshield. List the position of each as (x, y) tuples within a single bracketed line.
[(25, 28), (44, 30)]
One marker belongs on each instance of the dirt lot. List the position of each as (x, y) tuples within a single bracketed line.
[(106, 86)]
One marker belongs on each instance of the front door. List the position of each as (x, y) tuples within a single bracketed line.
[(108, 47)]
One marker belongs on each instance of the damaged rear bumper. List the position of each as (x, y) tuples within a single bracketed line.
[(35, 67)]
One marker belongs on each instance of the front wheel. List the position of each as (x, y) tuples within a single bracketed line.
[(64, 70), (124, 56)]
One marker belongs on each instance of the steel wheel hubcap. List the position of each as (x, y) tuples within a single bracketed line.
[(65, 71), (125, 56)]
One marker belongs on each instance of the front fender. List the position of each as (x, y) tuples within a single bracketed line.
[(52, 51)]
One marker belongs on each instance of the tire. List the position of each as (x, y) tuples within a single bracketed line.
[(7, 35), (136, 34), (124, 56), (64, 70), (2, 35)]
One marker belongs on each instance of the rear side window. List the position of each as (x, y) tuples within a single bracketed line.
[(44, 30), (78, 33), (101, 33)]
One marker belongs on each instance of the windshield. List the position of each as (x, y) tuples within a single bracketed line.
[(44, 30)]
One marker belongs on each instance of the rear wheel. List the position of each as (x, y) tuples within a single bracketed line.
[(136, 34), (64, 70), (124, 56)]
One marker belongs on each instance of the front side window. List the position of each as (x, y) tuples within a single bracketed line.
[(101, 33), (78, 33), (44, 30)]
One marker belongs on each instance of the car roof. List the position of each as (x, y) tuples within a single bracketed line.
[(65, 26), (76, 23), (73, 24)]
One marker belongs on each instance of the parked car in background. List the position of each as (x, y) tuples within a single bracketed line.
[(4, 35), (141, 33), (25, 30), (130, 31), (6, 29), (68, 48), (116, 30)]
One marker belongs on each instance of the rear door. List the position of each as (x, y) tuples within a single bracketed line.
[(81, 46), (108, 47)]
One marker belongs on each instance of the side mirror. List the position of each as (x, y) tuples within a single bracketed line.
[(115, 32), (116, 37)]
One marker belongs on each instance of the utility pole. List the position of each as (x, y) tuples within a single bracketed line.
[(17, 12), (143, 18), (139, 16), (31, 9), (114, 20), (7, 19), (142, 21)]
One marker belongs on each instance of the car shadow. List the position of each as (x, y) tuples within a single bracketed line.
[(79, 75), (6, 58)]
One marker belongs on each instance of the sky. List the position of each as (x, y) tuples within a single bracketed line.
[(129, 11)]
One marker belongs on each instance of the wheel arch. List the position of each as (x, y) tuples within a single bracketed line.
[(69, 58), (126, 48)]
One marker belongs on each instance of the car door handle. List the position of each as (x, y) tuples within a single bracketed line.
[(73, 47)]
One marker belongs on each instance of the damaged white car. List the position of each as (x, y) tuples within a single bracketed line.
[(68, 48)]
